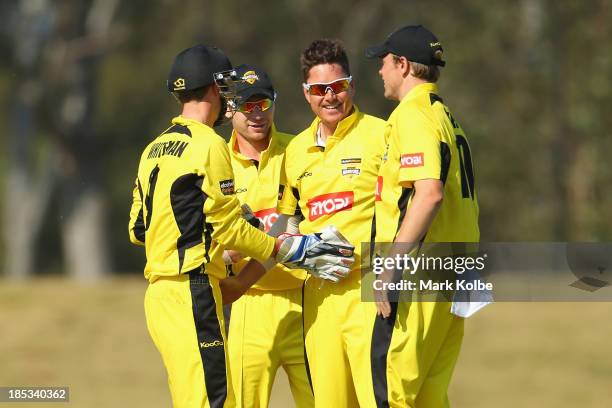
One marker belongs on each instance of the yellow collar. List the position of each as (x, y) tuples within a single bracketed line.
[(427, 87), (343, 128), (233, 143), (180, 120)]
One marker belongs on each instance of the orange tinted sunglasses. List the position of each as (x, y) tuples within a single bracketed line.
[(337, 86), (249, 107)]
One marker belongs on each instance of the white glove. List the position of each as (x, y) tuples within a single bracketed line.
[(326, 255)]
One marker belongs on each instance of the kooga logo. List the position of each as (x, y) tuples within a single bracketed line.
[(216, 343), (327, 204)]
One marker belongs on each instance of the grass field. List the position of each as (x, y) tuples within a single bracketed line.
[(94, 340)]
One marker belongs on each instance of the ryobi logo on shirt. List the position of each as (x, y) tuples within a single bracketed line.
[(267, 217), (327, 204), (412, 160)]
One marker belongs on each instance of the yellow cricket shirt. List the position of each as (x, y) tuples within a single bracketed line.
[(425, 142), (260, 185), (184, 204), (335, 185)]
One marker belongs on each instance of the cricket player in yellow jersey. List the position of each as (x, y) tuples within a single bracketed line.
[(331, 170), (184, 211), (425, 193), (265, 329)]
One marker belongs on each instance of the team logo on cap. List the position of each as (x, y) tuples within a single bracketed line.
[(179, 84), (250, 77), (435, 44)]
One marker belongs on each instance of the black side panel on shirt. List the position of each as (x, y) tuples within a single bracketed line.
[(296, 194), (281, 190), (402, 205), (210, 339), (184, 130), (187, 201), (207, 238)]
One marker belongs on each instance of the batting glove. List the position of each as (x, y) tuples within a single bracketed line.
[(326, 255)]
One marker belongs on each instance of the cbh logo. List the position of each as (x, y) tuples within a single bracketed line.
[(412, 160), (267, 217), (327, 204)]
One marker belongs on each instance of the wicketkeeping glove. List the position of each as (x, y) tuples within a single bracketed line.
[(326, 255)]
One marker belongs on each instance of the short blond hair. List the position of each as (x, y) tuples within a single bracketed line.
[(430, 73)]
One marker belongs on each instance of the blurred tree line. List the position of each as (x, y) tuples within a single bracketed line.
[(82, 83)]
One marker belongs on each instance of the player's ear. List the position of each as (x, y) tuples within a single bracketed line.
[(406, 66)]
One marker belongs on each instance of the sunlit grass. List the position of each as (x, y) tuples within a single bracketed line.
[(94, 340)]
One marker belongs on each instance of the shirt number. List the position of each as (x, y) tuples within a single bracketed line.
[(148, 202)]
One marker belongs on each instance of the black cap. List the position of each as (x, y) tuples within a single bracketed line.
[(416, 43), (194, 68), (254, 81)]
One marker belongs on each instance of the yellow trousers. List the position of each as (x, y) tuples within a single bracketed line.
[(338, 341), (266, 332), (414, 353), (185, 320)]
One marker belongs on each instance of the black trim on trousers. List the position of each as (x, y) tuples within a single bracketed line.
[(381, 341), (304, 338), (372, 239), (210, 339)]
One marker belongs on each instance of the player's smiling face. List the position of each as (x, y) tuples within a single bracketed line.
[(254, 126), (330, 108), (391, 74)]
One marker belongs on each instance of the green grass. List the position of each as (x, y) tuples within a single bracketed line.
[(94, 340)]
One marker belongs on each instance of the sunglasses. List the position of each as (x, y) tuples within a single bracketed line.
[(337, 86), (249, 107)]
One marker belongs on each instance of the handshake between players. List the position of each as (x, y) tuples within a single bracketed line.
[(326, 255)]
